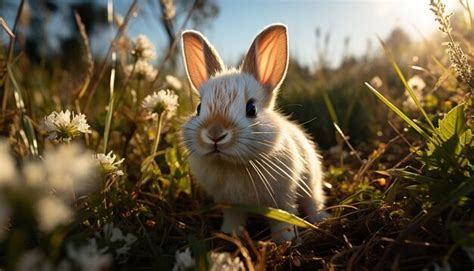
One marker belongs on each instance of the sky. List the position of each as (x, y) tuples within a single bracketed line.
[(233, 30), (360, 20), (239, 21)]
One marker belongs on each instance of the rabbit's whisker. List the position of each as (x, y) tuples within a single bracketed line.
[(264, 181), (292, 171), (251, 125), (266, 170), (257, 133), (253, 184), (285, 173), (263, 142)]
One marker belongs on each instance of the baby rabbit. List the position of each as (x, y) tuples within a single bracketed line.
[(241, 149)]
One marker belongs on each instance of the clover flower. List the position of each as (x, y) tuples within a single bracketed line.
[(184, 260), (71, 171), (173, 82), (141, 70), (219, 261), (143, 49), (52, 212), (35, 259), (108, 165), (90, 257), (376, 82), (160, 102), (169, 9), (121, 242), (225, 262), (65, 125), (417, 84)]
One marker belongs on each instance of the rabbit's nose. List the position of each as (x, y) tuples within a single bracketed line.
[(220, 138), (216, 134)]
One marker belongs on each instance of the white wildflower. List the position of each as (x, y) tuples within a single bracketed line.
[(225, 262), (184, 260), (142, 70), (161, 101), (35, 174), (71, 170), (115, 235), (34, 260), (376, 82), (219, 261), (52, 212), (108, 165), (143, 49), (169, 9), (118, 19), (65, 125), (89, 257), (173, 82), (7, 165), (416, 83)]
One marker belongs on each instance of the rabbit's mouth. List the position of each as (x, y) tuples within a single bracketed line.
[(218, 152)]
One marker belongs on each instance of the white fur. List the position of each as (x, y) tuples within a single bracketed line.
[(266, 160)]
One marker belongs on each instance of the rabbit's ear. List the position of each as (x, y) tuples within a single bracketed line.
[(267, 58), (200, 59)]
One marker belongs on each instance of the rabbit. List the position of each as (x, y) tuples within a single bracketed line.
[(242, 150)]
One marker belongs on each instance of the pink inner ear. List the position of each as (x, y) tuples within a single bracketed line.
[(201, 59), (195, 61), (268, 56), (265, 64)]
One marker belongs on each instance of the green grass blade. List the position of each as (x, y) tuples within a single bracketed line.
[(110, 110), (419, 178), (450, 200), (25, 120), (405, 83), (398, 112), (108, 121), (330, 107), (272, 213)]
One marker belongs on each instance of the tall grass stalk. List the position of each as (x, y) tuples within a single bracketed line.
[(32, 143), (88, 52), (156, 142), (459, 60), (4, 87), (405, 83), (397, 111), (110, 109), (92, 88), (434, 139), (330, 107), (467, 8)]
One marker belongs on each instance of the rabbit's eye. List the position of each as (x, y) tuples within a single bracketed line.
[(198, 109), (251, 110)]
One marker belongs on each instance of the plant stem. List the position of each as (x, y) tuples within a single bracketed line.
[(158, 133)]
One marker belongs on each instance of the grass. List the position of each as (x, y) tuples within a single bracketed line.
[(399, 178)]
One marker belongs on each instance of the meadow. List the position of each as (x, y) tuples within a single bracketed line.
[(94, 175)]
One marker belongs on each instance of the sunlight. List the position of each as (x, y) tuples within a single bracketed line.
[(411, 14), (236, 135)]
